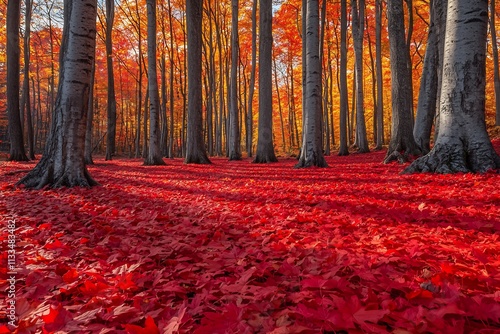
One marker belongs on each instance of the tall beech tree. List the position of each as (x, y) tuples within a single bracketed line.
[(431, 75), (111, 110), (380, 80), (311, 153), (402, 143), (462, 144), (234, 120), (154, 156), (90, 117), (358, 29), (251, 86), (265, 147), (195, 150), (26, 102), (17, 152), (344, 100), (496, 69), (63, 163)]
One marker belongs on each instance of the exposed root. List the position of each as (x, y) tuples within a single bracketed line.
[(448, 159)]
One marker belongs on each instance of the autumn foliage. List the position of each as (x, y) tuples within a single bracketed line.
[(236, 247)]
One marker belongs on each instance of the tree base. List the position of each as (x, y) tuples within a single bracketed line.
[(89, 160), (402, 152), (201, 159), (45, 175), (154, 161), (235, 157), (401, 157), (18, 156), (343, 152), (314, 161), (264, 159), (449, 159)]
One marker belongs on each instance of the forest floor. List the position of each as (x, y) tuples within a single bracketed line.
[(235, 247)]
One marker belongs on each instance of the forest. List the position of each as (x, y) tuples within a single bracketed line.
[(128, 56), (292, 166)]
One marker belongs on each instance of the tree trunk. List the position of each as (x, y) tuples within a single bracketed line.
[(195, 150), (171, 85), (251, 88), (63, 161), (26, 83), (428, 95), (344, 99), (154, 156), (234, 126), (280, 110), (380, 79), (17, 152), (265, 146), (311, 153), (496, 73), (402, 143), (358, 29), (90, 116), (111, 110), (463, 144)]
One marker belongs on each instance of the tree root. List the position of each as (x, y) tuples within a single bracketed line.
[(448, 159)]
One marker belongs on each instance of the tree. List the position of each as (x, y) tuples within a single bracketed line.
[(234, 122), (265, 146), (430, 81), (17, 152), (62, 163), (26, 81), (380, 80), (154, 156), (251, 88), (111, 135), (311, 153), (358, 28), (344, 100), (496, 70), (195, 150), (90, 117), (402, 143), (462, 144)]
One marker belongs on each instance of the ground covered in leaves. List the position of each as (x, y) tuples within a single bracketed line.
[(236, 247)]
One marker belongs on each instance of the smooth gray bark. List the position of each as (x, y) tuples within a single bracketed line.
[(251, 87), (311, 153), (265, 146), (195, 149), (380, 80), (17, 152), (154, 156), (462, 144), (344, 99), (62, 163), (234, 120), (496, 70), (428, 96), (26, 80), (402, 144), (90, 116), (358, 29), (111, 108)]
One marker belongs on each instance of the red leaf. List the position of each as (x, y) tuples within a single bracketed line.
[(364, 315), (70, 276), (56, 319), (5, 330), (149, 327)]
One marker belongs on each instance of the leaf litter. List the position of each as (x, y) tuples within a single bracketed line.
[(236, 247)]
